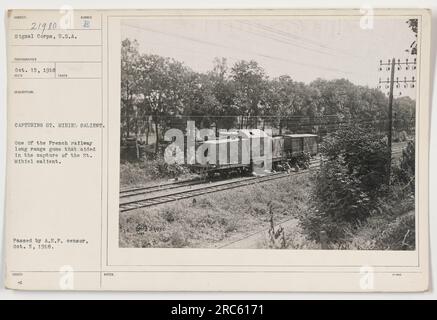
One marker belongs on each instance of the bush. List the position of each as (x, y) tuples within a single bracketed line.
[(340, 201), (159, 168), (348, 185), (300, 161), (405, 172), (398, 235), (140, 172), (170, 214), (133, 174), (364, 154)]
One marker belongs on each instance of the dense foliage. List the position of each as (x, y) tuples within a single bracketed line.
[(351, 187), (360, 153), (350, 181), (159, 92), (405, 172)]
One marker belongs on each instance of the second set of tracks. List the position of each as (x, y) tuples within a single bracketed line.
[(148, 196), (142, 197)]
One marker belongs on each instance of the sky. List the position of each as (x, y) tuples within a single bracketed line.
[(303, 48)]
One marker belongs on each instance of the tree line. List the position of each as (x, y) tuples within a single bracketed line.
[(158, 91)]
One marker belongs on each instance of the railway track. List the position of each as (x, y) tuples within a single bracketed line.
[(205, 189), (200, 187), (161, 187), (140, 190)]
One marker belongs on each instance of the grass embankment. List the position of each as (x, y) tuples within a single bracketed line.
[(391, 228), (224, 218), (216, 219), (151, 171), (385, 233)]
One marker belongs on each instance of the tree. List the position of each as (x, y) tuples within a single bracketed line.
[(162, 80), (165, 92), (250, 85), (199, 100), (130, 72), (285, 99), (404, 114), (222, 88), (413, 24)]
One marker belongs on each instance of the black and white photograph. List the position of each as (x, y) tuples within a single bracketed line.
[(248, 151), (293, 132)]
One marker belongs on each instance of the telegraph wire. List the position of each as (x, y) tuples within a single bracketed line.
[(294, 62)]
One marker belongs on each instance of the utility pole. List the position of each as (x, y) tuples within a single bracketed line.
[(390, 117), (390, 82)]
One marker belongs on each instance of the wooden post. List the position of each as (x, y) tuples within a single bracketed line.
[(390, 117)]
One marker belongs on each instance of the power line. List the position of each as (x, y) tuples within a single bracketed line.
[(285, 41), (287, 35), (295, 62)]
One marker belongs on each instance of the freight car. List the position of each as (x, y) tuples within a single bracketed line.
[(244, 152), (294, 150)]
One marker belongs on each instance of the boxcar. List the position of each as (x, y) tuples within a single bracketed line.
[(294, 144)]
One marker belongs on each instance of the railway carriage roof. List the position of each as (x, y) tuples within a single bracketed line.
[(301, 135), (222, 141), (253, 133)]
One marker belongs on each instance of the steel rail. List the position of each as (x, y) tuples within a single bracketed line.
[(185, 194)]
